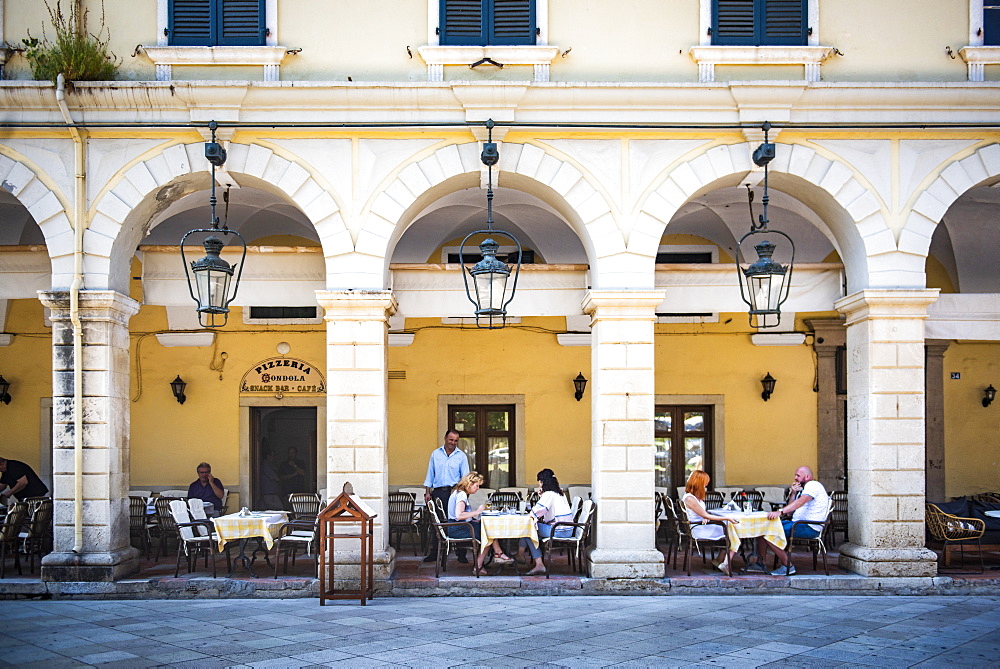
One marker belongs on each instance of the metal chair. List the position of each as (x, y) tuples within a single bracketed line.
[(815, 544), (667, 517), (446, 542), (684, 527), (954, 531), (10, 532), (196, 538), (502, 499), (293, 536), (138, 523), (576, 542), (37, 538), (402, 519), (839, 517), (755, 498), (165, 523), (305, 505), (714, 500)]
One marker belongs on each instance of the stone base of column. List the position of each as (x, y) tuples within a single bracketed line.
[(888, 561), (625, 563), (90, 567), (346, 572)]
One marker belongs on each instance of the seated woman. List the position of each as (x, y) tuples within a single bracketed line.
[(694, 504), (550, 509), (459, 509)]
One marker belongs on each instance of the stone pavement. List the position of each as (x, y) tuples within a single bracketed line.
[(731, 631)]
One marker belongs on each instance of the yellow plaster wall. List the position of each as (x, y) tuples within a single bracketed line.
[(27, 365), (764, 441), (525, 360), (972, 454)]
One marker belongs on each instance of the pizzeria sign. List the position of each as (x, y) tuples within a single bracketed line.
[(283, 375)]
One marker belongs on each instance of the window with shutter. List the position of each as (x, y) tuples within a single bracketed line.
[(759, 22), (487, 22), (217, 23), (991, 24)]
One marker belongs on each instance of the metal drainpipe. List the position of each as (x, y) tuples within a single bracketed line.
[(79, 221)]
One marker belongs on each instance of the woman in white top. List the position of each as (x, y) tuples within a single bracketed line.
[(459, 509), (551, 508), (694, 505)]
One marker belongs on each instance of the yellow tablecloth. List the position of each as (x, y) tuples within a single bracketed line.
[(234, 527), (752, 525), (508, 526)]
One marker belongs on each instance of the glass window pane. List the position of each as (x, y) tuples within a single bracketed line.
[(465, 421), (663, 422), (468, 445), (661, 462), (694, 454), (694, 421), (497, 421), (499, 462)]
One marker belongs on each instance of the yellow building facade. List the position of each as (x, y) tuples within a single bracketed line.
[(625, 133)]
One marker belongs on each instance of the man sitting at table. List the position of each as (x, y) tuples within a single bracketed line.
[(207, 488), (808, 501)]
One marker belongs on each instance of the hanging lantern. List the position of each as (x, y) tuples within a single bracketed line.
[(765, 283), (490, 275), (212, 275)]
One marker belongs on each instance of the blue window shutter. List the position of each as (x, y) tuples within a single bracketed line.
[(513, 22), (461, 22), (733, 22), (190, 23), (991, 24), (483, 22), (784, 22), (241, 23)]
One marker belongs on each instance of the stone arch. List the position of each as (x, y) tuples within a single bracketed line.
[(47, 206), (935, 198), (855, 215), (556, 180), (139, 190)]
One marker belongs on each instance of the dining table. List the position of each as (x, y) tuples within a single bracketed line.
[(244, 527), (498, 525), (750, 526)]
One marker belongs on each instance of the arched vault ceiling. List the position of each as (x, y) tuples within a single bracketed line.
[(17, 227), (973, 227)]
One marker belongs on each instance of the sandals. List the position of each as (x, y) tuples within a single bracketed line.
[(502, 559), (537, 571)]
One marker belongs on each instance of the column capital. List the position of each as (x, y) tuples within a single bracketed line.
[(357, 304), (886, 303), (936, 347), (623, 303), (828, 334), (92, 302)]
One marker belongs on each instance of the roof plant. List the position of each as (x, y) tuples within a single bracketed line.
[(78, 54)]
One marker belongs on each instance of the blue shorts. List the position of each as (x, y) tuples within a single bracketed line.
[(802, 531)]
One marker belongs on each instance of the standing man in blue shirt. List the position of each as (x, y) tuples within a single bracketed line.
[(447, 466)]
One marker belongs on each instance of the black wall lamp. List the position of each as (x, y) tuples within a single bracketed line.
[(988, 395), (5, 386), (177, 387), (579, 384), (767, 383)]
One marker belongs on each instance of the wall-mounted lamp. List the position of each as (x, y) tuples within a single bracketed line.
[(988, 395), (5, 386), (579, 384), (767, 383), (177, 386)]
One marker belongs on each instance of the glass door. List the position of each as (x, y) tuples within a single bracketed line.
[(486, 434), (683, 442)]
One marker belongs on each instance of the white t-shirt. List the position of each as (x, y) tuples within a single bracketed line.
[(453, 508), (552, 505), (817, 507)]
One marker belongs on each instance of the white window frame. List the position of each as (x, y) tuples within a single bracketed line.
[(165, 56), (540, 54), (976, 55), (708, 55)]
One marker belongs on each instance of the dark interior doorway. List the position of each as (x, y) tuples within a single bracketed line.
[(282, 454)]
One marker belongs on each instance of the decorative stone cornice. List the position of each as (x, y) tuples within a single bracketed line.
[(437, 57), (810, 57), (977, 58), (166, 56), (886, 303)]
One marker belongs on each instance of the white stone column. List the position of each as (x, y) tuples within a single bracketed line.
[(107, 554), (885, 432), (622, 409), (357, 329)]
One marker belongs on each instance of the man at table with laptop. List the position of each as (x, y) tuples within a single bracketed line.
[(808, 501)]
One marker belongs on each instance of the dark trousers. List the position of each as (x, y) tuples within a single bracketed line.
[(442, 494)]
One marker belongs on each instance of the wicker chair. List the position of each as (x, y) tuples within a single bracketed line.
[(669, 526), (293, 536), (954, 531), (165, 523), (690, 542), (305, 505), (501, 499), (402, 519), (138, 523), (755, 498), (576, 542), (445, 542), (196, 538), (714, 500), (814, 544), (838, 519), (9, 536), (37, 538)]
